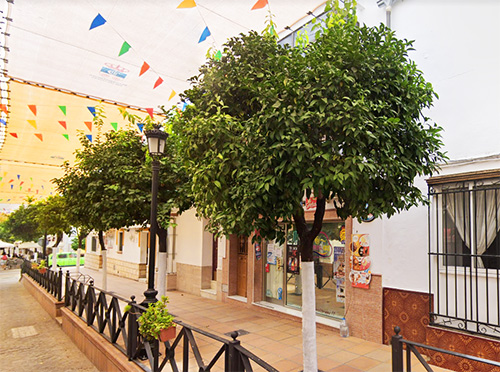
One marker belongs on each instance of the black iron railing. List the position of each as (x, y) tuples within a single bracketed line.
[(464, 256), (48, 279), (398, 359), (105, 313)]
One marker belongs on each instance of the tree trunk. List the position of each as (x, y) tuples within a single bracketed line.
[(104, 262), (162, 261), (59, 237), (306, 239)]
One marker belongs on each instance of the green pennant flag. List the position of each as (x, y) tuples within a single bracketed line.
[(63, 109), (218, 55), (115, 126), (124, 49), (66, 136)]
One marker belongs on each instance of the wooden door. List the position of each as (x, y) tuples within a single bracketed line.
[(242, 266)]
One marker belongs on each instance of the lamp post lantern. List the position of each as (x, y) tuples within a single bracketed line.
[(156, 146)]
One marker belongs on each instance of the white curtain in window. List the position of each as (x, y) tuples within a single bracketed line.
[(487, 219), (457, 206)]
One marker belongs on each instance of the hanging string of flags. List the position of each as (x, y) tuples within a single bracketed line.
[(99, 21)]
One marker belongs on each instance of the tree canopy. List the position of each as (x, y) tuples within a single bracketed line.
[(341, 118)]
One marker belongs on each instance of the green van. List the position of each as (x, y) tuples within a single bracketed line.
[(66, 259)]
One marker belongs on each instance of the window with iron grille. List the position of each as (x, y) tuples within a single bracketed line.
[(464, 255)]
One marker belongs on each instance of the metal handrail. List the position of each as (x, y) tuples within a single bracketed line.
[(397, 342)]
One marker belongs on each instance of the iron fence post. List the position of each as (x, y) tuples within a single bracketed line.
[(234, 357), (59, 285), (90, 304), (132, 330), (397, 351), (66, 289)]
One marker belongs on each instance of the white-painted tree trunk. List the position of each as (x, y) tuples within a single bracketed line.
[(78, 255), (309, 318), (170, 250), (162, 274), (104, 270), (55, 251)]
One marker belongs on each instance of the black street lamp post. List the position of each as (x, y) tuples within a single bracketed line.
[(156, 145)]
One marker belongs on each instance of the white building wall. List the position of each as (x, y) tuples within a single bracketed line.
[(458, 49), (189, 239)]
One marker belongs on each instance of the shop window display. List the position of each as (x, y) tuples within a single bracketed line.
[(283, 264)]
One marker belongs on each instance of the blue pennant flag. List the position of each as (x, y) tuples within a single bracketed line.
[(89, 137), (140, 127), (98, 21), (206, 33), (91, 109), (3, 122)]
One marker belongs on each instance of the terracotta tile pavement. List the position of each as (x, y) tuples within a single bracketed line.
[(272, 337)]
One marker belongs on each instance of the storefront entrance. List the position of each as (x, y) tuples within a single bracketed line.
[(282, 272)]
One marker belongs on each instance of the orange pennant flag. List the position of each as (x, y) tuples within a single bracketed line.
[(260, 4), (33, 123), (63, 123), (13, 135), (144, 68), (187, 4), (3, 107), (150, 112), (33, 109), (158, 82), (88, 124), (172, 95), (39, 135)]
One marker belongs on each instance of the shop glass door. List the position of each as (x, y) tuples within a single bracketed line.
[(274, 273)]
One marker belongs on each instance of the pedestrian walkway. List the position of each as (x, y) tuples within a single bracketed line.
[(275, 339), (30, 340)]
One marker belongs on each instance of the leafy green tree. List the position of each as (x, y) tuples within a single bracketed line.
[(22, 224), (341, 118), (52, 217), (105, 189)]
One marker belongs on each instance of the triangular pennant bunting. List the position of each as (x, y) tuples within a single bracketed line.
[(92, 110), (98, 21), (144, 68), (89, 125), (186, 4), (18, 176), (150, 112), (172, 95), (206, 33), (11, 181), (89, 137), (115, 126), (66, 136), (125, 48), (218, 55), (11, 187), (32, 123), (63, 109), (13, 134), (3, 122), (259, 4), (63, 123), (4, 108), (158, 82), (140, 126), (21, 183), (40, 136), (33, 109)]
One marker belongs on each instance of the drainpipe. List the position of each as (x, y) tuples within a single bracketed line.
[(388, 10)]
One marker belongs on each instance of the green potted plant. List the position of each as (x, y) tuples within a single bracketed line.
[(156, 322), (42, 267)]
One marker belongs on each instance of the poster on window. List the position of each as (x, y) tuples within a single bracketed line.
[(292, 266), (340, 284), (271, 254), (360, 275), (338, 262)]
